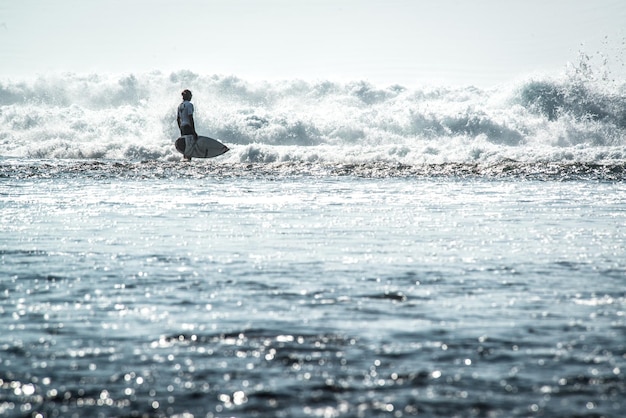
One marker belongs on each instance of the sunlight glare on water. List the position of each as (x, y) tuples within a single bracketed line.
[(308, 295)]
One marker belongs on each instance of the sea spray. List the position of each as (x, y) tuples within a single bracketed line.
[(572, 117)]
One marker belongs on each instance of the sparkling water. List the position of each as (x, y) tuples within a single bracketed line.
[(215, 289)]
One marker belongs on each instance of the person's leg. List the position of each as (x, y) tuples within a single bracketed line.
[(184, 131)]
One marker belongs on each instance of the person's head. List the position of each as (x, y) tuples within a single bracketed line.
[(186, 94)]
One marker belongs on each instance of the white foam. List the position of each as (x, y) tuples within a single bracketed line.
[(103, 116)]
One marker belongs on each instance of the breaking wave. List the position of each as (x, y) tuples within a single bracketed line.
[(571, 117)]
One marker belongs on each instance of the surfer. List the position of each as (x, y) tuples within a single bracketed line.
[(185, 118)]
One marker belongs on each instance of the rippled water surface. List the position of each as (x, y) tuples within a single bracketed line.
[(257, 294)]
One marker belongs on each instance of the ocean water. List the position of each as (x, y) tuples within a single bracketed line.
[(361, 251)]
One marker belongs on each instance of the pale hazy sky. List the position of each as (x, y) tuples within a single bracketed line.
[(384, 41)]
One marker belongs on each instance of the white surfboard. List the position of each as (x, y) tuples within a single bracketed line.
[(203, 147)]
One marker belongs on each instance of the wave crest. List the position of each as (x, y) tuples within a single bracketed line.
[(572, 117)]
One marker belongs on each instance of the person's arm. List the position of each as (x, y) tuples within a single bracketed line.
[(193, 126)]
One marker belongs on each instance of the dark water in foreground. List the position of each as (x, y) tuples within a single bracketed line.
[(154, 290)]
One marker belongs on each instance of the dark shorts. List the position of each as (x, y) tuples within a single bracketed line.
[(186, 130)]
